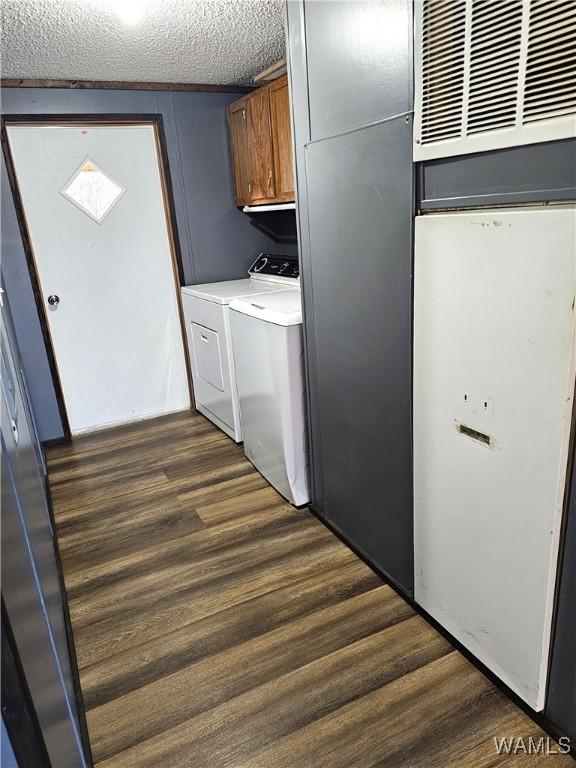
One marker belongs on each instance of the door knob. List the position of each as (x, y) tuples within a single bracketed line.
[(53, 300)]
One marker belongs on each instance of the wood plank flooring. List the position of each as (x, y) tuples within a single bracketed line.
[(218, 627)]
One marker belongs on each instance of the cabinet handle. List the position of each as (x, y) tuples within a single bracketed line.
[(249, 187), (270, 181), (243, 113)]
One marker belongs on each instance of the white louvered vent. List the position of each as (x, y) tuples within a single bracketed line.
[(493, 74), (443, 35)]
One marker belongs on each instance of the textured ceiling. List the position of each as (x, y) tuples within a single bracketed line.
[(191, 41)]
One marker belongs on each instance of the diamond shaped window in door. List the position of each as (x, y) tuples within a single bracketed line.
[(93, 190)]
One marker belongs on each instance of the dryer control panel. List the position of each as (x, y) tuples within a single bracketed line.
[(268, 266)]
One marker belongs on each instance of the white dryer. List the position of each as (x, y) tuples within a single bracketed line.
[(268, 354), (206, 313)]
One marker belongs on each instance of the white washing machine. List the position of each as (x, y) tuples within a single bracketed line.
[(206, 313), (268, 354)]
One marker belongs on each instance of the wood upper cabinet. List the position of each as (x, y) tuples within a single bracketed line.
[(282, 139), (238, 122), (262, 145), (261, 153)]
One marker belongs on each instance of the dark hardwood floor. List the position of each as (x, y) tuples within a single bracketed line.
[(217, 626)]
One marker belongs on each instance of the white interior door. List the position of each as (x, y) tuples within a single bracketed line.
[(493, 390), (94, 208)]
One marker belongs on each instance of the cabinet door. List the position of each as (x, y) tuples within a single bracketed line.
[(282, 139), (238, 122), (260, 147)]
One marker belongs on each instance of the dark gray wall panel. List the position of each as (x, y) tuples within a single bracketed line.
[(534, 173), (355, 207), (217, 241), (358, 70), (561, 705), (16, 278), (360, 220), (31, 589)]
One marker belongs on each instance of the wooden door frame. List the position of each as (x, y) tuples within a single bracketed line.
[(95, 120)]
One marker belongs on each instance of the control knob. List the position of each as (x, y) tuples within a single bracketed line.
[(259, 266)]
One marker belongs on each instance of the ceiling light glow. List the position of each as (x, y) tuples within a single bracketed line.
[(129, 11)]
